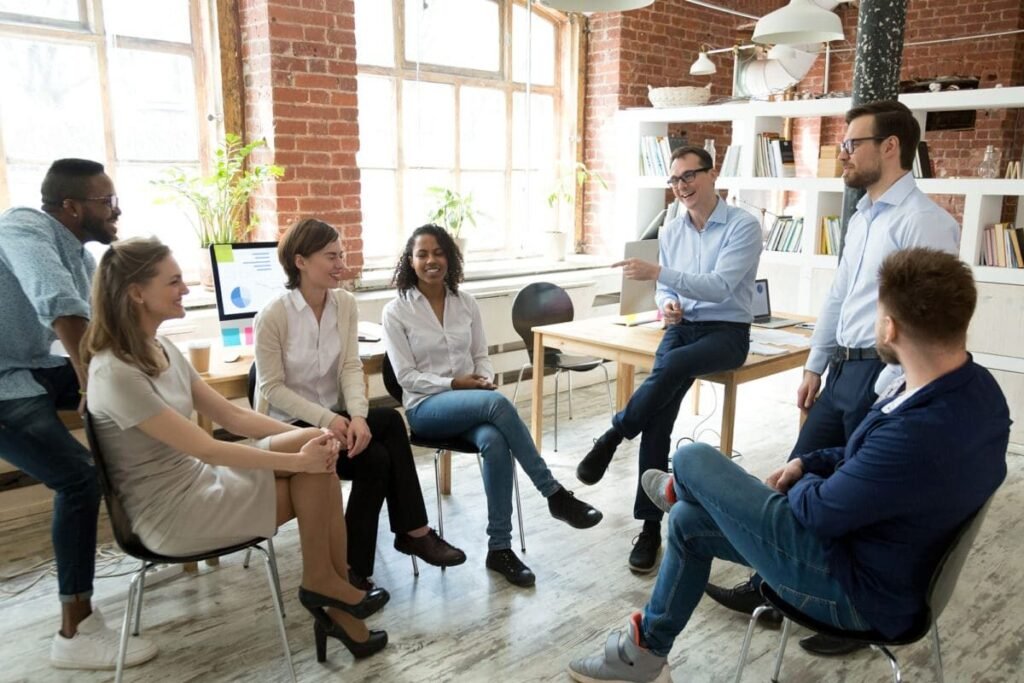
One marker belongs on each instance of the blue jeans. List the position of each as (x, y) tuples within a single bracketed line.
[(688, 350), (33, 439), (726, 513), (490, 421)]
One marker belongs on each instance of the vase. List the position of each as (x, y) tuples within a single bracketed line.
[(460, 242), (205, 269), (556, 243)]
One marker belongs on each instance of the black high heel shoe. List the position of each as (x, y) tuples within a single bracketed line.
[(324, 626), (370, 604)]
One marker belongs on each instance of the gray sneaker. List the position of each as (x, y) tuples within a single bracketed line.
[(655, 484), (623, 661)]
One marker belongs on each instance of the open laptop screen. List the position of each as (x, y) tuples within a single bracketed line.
[(638, 296), (762, 303)]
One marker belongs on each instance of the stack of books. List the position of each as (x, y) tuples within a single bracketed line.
[(829, 165), (731, 161), (829, 237), (774, 157), (656, 153), (1003, 246), (785, 234)]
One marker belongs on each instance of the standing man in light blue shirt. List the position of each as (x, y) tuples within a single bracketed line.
[(45, 278), (877, 155), (707, 262)]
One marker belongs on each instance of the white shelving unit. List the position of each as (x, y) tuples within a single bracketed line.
[(800, 281)]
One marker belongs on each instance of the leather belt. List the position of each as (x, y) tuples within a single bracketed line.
[(843, 353)]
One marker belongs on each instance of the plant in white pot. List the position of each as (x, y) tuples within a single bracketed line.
[(216, 203), (453, 211), (564, 194)]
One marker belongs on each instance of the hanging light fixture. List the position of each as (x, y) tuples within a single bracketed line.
[(703, 66), (801, 21), (595, 5)]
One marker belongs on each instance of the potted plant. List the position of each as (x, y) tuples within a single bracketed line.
[(217, 202), (452, 211), (564, 192)]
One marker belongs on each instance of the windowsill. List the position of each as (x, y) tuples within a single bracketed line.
[(380, 278)]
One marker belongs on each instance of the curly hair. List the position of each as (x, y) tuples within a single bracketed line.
[(405, 278)]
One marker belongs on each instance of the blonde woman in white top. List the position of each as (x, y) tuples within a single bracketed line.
[(309, 372), (435, 341)]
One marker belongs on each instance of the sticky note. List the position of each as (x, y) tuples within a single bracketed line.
[(231, 336), (224, 253), (248, 336)]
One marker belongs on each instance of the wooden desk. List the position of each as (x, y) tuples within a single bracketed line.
[(634, 347)]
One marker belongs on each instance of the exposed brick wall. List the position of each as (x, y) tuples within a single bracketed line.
[(299, 69)]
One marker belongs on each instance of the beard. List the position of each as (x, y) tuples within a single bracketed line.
[(97, 230), (862, 178), (886, 353)]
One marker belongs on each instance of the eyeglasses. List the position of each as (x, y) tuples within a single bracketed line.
[(686, 176), (849, 146), (108, 199)]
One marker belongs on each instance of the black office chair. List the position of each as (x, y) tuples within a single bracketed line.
[(543, 303), (439, 446), (133, 546), (940, 589)]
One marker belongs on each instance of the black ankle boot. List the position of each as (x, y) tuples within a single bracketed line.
[(566, 507), (593, 466)]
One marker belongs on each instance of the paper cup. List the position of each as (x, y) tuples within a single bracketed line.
[(199, 355)]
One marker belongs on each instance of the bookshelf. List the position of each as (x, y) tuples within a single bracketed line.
[(801, 280)]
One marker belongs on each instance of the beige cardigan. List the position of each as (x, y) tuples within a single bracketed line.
[(271, 334)]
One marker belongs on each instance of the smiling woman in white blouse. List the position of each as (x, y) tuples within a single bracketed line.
[(435, 340), (309, 372)]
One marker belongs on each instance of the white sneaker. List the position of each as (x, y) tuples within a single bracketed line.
[(95, 645)]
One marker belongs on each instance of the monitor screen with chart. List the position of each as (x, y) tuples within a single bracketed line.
[(246, 277)]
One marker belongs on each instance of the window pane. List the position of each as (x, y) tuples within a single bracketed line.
[(459, 33), (483, 121), (543, 153), (23, 183), (531, 215), (158, 19), (428, 123), (51, 101), (489, 200), (375, 33), (377, 122), (380, 219), (542, 36), (154, 106), (48, 9), (417, 202), (147, 211)]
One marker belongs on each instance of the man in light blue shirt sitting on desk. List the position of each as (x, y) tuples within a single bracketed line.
[(877, 155), (707, 263)]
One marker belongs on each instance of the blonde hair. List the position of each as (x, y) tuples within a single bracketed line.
[(115, 322)]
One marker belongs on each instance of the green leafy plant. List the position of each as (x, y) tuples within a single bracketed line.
[(566, 185), (218, 200), (452, 209)]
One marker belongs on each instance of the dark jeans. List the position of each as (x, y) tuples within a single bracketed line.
[(848, 396), (33, 439), (384, 471), (688, 350)]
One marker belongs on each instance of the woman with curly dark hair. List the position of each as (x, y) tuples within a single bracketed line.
[(435, 339)]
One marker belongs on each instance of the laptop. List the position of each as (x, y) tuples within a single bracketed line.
[(636, 298), (763, 308)]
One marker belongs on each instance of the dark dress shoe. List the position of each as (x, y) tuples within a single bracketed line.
[(511, 567), (371, 603), (595, 463), (744, 598), (830, 646), (361, 582), (430, 548), (565, 507), (645, 552)]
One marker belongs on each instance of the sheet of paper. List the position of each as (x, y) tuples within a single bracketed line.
[(766, 336), (766, 349)]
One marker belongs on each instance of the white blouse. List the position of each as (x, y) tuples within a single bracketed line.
[(427, 355), (311, 353)]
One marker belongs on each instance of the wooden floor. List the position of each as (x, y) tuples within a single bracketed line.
[(469, 625)]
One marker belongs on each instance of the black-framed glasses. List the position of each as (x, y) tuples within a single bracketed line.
[(849, 146), (108, 199), (686, 176)]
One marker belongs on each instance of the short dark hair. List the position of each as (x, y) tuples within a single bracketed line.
[(928, 292), (66, 179), (892, 118), (304, 238), (699, 152), (405, 275)]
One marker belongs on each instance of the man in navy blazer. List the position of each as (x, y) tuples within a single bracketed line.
[(849, 535)]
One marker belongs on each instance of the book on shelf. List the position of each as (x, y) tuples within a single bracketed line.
[(731, 161), (829, 237), (785, 234), (787, 158), (1003, 246), (656, 153), (922, 162)]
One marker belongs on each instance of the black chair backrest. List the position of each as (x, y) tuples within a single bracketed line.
[(946, 574), (390, 380), (541, 303), (251, 388)]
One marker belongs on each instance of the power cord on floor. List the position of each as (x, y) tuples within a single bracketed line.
[(697, 432), (109, 559)]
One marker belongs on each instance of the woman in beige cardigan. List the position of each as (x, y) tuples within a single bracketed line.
[(309, 372)]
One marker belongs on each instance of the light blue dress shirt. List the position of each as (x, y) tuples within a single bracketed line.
[(45, 274), (903, 217), (710, 272)]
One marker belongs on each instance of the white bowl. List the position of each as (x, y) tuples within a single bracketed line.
[(684, 96)]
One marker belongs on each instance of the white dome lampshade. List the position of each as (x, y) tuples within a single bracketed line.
[(801, 21), (595, 5), (703, 66)]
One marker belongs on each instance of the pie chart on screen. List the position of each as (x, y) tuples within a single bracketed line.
[(241, 297)]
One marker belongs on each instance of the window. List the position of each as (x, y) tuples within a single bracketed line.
[(130, 93), (442, 90)]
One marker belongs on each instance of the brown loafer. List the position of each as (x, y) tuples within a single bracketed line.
[(430, 548)]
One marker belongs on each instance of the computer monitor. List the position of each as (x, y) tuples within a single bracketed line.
[(246, 277)]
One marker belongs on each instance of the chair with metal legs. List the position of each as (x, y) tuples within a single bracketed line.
[(133, 546), (439, 446), (544, 303), (940, 589)]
